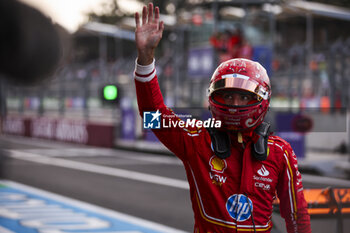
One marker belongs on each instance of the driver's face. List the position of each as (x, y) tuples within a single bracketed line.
[(235, 97)]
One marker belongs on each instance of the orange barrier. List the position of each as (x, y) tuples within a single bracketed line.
[(326, 201)]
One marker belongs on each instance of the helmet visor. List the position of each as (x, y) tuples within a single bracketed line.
[(235, 97), (240, 82)]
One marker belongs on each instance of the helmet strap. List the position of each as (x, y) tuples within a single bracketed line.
[(259, 149), (221, 143)]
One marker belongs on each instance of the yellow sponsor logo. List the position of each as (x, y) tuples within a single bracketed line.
[(217, 164)]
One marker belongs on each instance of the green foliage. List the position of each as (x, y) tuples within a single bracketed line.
[(111, 13)]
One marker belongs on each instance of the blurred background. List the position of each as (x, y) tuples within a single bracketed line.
[(67, 91)]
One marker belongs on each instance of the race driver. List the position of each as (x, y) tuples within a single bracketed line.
[(235, 171)]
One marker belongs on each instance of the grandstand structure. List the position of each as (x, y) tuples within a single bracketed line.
[(307, 57)]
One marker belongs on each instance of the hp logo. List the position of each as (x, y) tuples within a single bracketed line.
[(239, 207)]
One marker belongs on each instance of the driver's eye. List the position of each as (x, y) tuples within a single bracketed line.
[(246, 97), (228, 96)]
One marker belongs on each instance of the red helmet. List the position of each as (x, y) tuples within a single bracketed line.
[(241, 75)]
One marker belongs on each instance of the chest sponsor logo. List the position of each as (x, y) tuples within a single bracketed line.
[(263, 186), (239, 207), (263, 171), (217, 167), (217, 164), (217, 179), (266, 179)]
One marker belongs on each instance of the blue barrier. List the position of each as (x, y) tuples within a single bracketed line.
[(28, 210)]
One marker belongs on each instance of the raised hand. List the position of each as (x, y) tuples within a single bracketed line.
[(147, 34)]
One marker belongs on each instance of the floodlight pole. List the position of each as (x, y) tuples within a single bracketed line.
[(215, 14), (309, 43)]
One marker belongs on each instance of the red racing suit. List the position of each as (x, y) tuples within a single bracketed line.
[(233, 194)]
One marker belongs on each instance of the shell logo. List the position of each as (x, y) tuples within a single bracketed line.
[(217, 164)]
